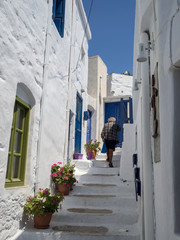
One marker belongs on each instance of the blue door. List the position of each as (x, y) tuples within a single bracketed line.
[(88, 136), (78, 124), (122, 111)]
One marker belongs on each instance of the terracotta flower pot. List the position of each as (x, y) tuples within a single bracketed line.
[(62, 188), (94, 155), (42, 222)]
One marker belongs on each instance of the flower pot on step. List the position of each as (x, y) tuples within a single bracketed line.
[(42, 222), (77, 156), (63, 188), (89, 155), (94, 155)]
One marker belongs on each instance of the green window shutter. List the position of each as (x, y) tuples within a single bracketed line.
[(15, 173)]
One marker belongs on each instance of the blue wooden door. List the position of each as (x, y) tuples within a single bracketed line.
[(78, 124), (122, 111), (88, 136)]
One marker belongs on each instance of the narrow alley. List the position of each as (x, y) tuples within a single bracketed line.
[(102, 206)]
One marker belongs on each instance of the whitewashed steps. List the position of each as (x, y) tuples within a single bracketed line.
[(101, 207), (100, 203)]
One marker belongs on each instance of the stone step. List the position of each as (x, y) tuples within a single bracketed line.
[(71, 234), (100, 202), (105, 171), (103, 157), (98, 179), (105, 164), (120, 218), (103, 189)]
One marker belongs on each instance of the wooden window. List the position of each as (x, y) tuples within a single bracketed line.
[(58, 15), (18, 145)]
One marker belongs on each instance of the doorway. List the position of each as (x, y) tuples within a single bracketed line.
[(78, 124)]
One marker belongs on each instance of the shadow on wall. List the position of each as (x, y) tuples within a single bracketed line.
[(176, 149)]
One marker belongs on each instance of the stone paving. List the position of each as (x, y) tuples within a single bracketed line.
[(101, 207)]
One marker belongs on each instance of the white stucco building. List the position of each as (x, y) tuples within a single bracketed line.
[(119, 85), (155, 134), (43, 72)]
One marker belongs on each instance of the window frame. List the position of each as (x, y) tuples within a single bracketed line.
[(59, 17), (18, 181)]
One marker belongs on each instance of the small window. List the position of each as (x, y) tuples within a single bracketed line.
[(58, 15), (18, 145)]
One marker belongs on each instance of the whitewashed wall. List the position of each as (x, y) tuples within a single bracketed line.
[(160, 19), (119, 85), (34, 66)]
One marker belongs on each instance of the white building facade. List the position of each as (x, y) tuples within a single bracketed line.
[(43, 70), (155, 134)]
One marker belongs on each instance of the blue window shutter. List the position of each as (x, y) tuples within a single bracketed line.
[(59, 9), (58, 15), (54, 9)]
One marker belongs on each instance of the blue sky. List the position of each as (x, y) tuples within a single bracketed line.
[(112, 27)]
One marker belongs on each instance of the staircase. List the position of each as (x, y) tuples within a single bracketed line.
[(101, 206)]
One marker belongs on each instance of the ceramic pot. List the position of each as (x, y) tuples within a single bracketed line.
[(42, 222), (89, 155), (94, 155), (77, 156), (62, 188)]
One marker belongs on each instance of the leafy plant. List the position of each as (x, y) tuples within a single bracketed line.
[(90, 146), (63, 175), (43, 202)]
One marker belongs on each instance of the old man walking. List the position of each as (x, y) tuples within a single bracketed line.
[(109, 135)]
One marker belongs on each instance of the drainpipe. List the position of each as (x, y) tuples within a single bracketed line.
[(69, 89), (146, 155)]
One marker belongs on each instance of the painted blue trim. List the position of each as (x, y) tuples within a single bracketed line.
[(88, 135), (58, 15), (78, 123), (119, 110), (131, 110)]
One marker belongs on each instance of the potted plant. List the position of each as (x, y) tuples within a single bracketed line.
[(96, 148), (63, 176), (92, 148), (77, 155), (42, 206)]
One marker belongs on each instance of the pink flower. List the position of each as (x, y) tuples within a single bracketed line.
[(62, 169), (62, 194), (66, 178), (45, 191), (51, 175), (68, 174), (30, 198), (54, 165), (55, 175), (60, 175), (69, 185), (60, 162)]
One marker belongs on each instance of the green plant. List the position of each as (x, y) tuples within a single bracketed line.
[(90, 146), (43, 202), (63, 175)]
